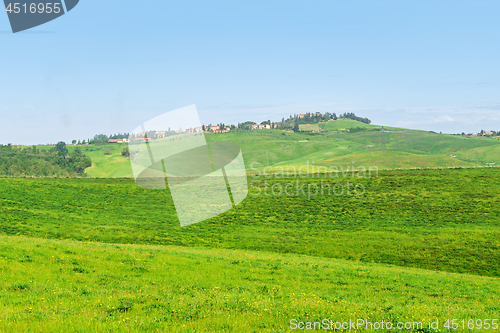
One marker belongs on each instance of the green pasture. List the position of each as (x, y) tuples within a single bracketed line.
[(388, 149), (69, 286), (444, 219)]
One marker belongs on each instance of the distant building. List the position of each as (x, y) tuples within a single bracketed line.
[(117, 140), (315, 114)]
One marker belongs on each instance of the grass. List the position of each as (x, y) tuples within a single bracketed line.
[(103, 255), (415, 218), (393, 148), (390, 149), (342, 124), (309, 127), (54, 286), (112, 165), (393, 160)]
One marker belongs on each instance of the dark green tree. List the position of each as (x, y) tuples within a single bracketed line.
[(100, 139), (296, 125), (61, 149), (125, 152)]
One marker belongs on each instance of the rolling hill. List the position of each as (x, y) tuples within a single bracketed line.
[(414, 218), (69, 286), (364, 145), (101, 254)]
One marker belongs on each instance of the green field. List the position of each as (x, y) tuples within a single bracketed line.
[(393, 148), (112, 165), (342, 124), (309, 127), (417, 218), (325, 232), (68, 286), (103, 165)]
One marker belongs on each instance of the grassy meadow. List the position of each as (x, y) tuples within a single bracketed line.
[(395, 225), (388, 149), (55, 286), (415, 218), (113, 165)]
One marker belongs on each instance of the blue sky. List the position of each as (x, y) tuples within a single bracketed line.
[(107, 66)]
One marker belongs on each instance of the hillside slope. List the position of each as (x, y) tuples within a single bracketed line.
[(365, 145), (112, 165), (18, 161), (416, 218), (91, 287)]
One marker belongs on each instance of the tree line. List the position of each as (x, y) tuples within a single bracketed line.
[(293, 122), (35, 161)]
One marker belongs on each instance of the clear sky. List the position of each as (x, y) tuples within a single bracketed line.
[(108, 66)]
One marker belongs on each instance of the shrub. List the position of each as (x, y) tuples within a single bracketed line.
[(21, 286)]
